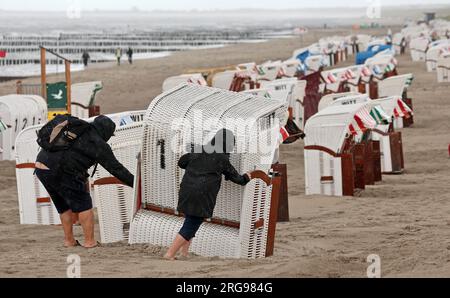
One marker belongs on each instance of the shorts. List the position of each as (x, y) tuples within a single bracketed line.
[(190, 227), (67, 192)]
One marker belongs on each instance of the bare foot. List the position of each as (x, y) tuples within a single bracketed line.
[(169, 258), (91, 245), (69, 244), (183, 257)]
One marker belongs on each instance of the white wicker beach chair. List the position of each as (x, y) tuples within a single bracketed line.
[(223, 80), (314, 63), (328, 167), (195, 78), (390, 142), (418, 47), (113, 200), (269, 71), (443, 67), (329, 99), (83, 98), (35, 205), (394, 86), (434, 51), (290, 67), (292, 92), (241, 226), (19, 112)]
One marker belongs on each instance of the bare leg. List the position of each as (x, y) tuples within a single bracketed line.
[(178, 243), (185, 249), (66, 220), (87, 223)]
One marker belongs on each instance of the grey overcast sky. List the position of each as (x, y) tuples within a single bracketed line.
[(60, 5)]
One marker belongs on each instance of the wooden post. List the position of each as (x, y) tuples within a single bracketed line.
[(43, 74), (273, 217), (283, 205), (69, 86)]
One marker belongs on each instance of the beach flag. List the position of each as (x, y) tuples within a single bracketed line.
[(2, 54)]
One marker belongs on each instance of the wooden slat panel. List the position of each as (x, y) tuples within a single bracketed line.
[(273, 218), (396, 152), (359, 157), (283, 209), (348, 175), (376, 149)]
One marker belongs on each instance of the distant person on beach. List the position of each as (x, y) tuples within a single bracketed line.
[(118, 55), (355, 45), (86, 58), (130, 55), (403, 45), (200, 186), (70, 147)]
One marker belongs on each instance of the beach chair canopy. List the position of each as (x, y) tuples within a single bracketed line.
[(195, 78), (330, 127), (373, 50)]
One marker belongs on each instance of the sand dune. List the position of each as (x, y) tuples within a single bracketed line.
[(404, 219)]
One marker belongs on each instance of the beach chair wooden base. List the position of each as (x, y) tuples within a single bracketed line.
[(283, 209)]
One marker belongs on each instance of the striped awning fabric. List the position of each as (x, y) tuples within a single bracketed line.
[(402, 110), (362, 121), (380, 115)]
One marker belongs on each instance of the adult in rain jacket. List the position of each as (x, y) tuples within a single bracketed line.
[(201, 185), (64, 174)]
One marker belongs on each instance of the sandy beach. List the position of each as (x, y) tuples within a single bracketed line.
[(404, 219)]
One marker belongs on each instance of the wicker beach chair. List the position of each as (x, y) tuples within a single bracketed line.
[(113, 200), (35, 205), (83, 98), (195, 78), (334, 161), (418, 47), (443, 67), (434, 51), (243, 221), (19, 112)]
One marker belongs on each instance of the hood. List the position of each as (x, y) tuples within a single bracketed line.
[(223, 142), (105, 127)]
